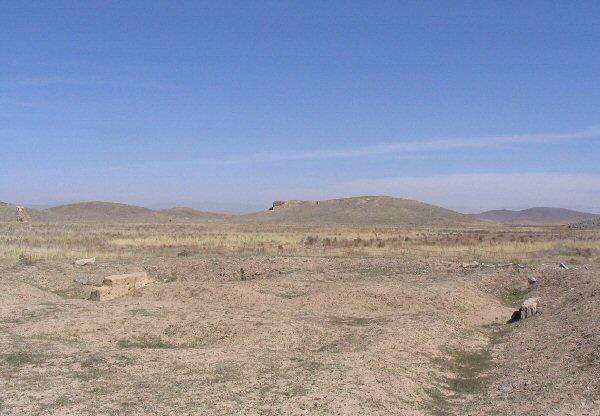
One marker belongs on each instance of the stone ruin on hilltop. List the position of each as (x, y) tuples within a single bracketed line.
[(291, 203)]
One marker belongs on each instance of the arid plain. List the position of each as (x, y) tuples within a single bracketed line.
[(263, 315)]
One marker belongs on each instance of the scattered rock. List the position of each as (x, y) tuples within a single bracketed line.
[(527, 310), (471, 265), (291, 203), (119, 285), (591, 223), (85, 262)]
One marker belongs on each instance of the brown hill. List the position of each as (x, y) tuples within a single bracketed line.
[(538, 215), (191, 214), (363, 211), (97, 211)]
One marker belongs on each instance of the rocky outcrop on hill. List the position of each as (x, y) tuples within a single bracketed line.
[(291, 203)]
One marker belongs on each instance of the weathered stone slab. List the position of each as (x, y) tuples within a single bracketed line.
[(529, 308), (103, 293), (85, 262), (129, 279), (22, 214)]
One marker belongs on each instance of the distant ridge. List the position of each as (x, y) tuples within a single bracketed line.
[(363, 211), (191, 214), (538, 215), (98, 211)]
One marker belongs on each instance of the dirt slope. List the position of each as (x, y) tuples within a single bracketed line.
[(363, 211), (550, 364), (539, 215)]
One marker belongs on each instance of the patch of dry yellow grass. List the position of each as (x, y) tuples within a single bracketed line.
[(68, 241)]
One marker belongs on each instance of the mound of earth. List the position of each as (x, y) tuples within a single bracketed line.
[(363, 211), (549, 365), (538, 215), (591, 223)]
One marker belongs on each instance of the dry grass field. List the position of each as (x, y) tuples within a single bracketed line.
[(270, 319)]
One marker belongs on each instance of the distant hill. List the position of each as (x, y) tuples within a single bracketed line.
[(363, 211), (539, 215), (191, 214), (587, 224), (97, 211)]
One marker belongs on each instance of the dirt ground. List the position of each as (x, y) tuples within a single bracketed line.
[(297, 332)]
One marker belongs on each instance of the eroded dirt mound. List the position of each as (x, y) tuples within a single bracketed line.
[(550, 364)]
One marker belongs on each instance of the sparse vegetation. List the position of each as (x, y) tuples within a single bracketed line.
[(149, 342), (277, 310), (122, 241)]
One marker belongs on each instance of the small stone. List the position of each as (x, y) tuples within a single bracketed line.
[(529, 308), (532, 280), (564, 266), (85, 262)]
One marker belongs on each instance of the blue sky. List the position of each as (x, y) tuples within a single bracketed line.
[(229, 105)]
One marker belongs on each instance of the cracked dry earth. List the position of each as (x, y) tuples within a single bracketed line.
[(298, 336)]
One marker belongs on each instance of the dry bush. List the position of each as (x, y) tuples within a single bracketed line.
[(27, 259)]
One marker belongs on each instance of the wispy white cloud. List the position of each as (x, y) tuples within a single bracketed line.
[(405, 149), (471, 192), (416, 146)]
